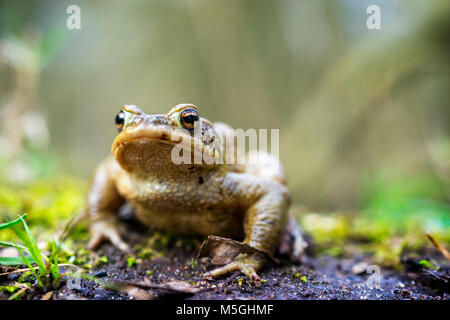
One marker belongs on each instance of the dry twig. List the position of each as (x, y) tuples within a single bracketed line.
[(438, 246)]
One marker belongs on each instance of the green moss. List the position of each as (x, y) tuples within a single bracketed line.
[(429, 264), (25, 277), (131, 261), (144, 252), (162, 240), (392, 221), (48, 203), (9, 289), (103, 259)]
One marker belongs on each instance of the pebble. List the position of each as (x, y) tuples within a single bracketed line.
[(100, 274), (405, 292), (359, 268)]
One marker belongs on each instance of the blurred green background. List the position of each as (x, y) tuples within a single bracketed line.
[(364, 115)]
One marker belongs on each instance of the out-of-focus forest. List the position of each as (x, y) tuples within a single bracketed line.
[(364, 115)]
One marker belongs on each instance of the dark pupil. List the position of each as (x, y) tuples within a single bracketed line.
[(120, 119), (191, 118), (188, 119)]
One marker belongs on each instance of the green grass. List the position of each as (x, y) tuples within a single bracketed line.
[(46, 271)]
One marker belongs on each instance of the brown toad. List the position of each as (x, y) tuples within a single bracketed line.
[(243, 202)]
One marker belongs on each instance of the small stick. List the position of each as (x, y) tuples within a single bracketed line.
[(35, 268), (231, 278), (18, 293), (158, 286), (438, 246)]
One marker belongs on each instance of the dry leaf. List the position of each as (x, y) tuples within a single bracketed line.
[(47, 296), (224, 250)]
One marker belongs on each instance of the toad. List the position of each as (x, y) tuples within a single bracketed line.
[(245, 202)]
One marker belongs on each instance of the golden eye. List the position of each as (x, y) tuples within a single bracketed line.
[(189, 119), (120, 120)]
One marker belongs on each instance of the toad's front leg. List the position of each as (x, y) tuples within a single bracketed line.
[(264, 221), (102, 205)]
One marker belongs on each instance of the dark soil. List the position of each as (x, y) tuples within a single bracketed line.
[(318, 277)]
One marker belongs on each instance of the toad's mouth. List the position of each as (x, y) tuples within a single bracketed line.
[(150, 149), (154, 135), (149, 134)]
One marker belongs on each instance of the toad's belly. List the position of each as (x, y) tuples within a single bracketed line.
[(201, 223), (185, 206)]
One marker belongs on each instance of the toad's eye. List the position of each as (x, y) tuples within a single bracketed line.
[(189, 119), (120, 120)]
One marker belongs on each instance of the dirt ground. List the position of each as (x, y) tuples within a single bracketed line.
[(180, 277)]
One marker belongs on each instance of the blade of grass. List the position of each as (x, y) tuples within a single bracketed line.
[(13, 261), (55, 273), (8, 244), (31, 244), (70, 224), (22, 236), (55, 250), (30, 247), (11, 223), (53, 262), (38, 278)]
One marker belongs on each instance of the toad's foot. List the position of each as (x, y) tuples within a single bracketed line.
[(246, 263), (106, 230)]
